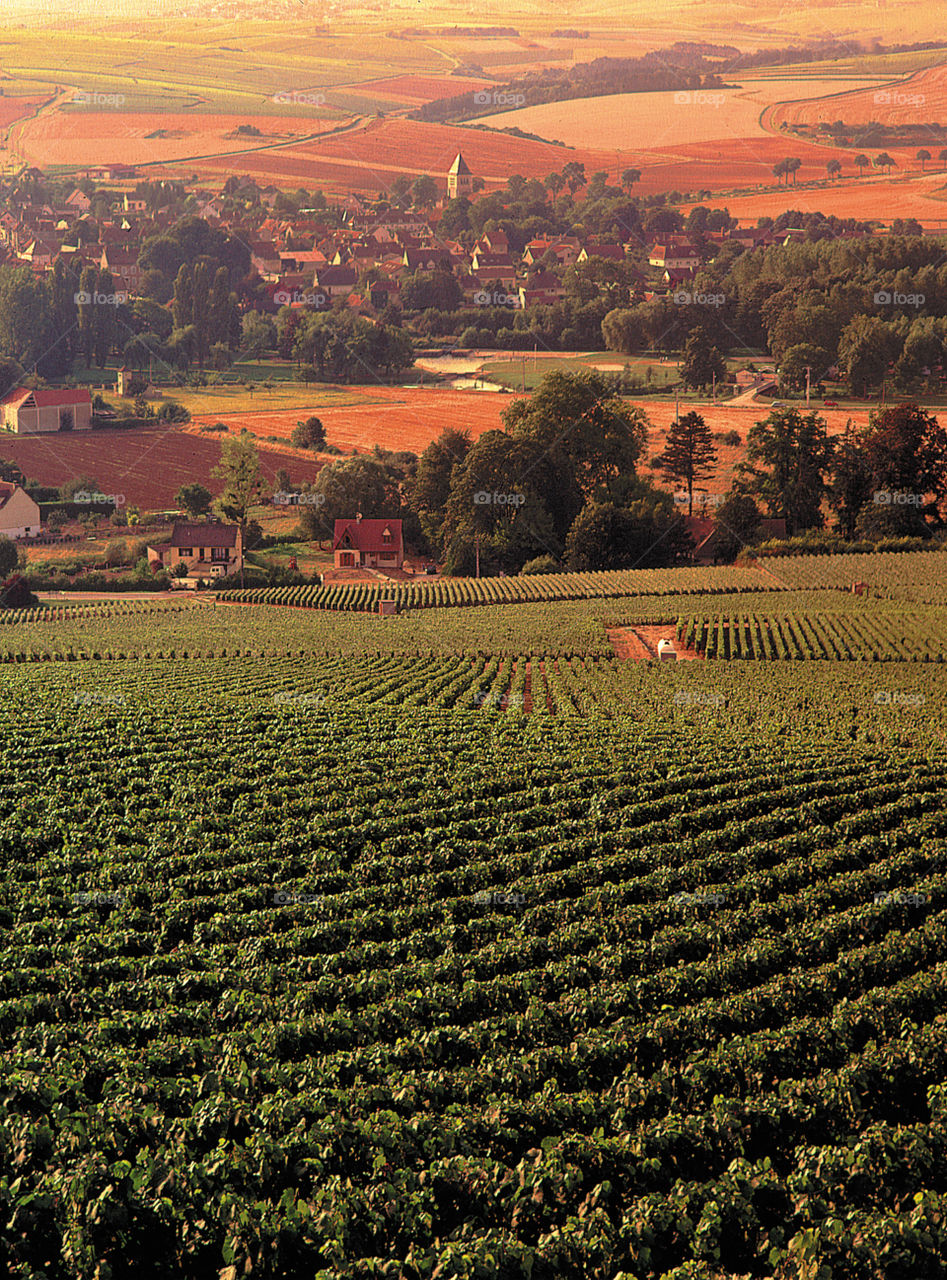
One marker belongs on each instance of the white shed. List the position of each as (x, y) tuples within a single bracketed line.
[(666, 651)]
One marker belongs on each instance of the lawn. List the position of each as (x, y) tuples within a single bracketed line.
[(509, 371)]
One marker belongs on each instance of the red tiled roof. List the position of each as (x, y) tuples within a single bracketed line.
[(366, 535), (44, 399), (187, 536)]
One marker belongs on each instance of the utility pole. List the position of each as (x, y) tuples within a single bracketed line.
[(713, 385), (477, 545), (808, 384)]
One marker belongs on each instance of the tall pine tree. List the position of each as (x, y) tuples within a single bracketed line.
[(689, 454)]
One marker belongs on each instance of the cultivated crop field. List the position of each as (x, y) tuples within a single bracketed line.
[(125, 136), (643, 122), (392, 417), (921, 97), (148, 465), (481, 956)]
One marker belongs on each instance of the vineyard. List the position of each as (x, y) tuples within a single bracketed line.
[(874, 636), (450, 945), (918, 577), (538, 588)]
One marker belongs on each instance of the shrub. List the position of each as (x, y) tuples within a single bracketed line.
[(541, 564)]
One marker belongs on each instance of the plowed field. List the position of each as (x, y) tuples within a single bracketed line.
[(415, 416), (411, 420), (148, 467), (919, 99), (130, 137), (365, 158)]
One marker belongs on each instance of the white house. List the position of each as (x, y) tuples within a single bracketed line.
[(19, 514), (26, 411)]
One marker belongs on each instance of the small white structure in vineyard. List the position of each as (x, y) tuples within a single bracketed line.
[(666, 651)]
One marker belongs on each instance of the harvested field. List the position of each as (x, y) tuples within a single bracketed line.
[(148, 467), (127, 137), (922, 197), (646, 121), (367, 156), (14, 108), (414, 416), (417, 89), (411, 418), (919, 99), (725, 163)]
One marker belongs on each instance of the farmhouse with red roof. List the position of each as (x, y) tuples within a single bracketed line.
[(374, 544), (27, 411)]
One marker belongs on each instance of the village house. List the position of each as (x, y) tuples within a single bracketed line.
[(27, 412), (375, 544), (613, 252), (210, 550), (494, 266), (541, 289), (705, 534), (39, 253), (335, 282), (77, 202), (123, 265), (19, 514), (671, 256), (566, 250)]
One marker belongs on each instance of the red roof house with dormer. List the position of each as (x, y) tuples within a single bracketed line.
[(373, 544)]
